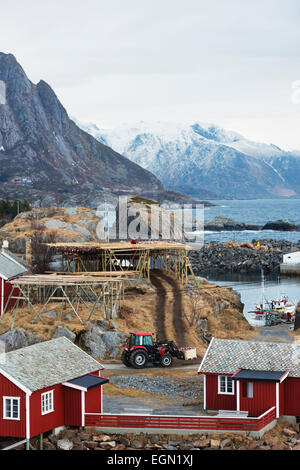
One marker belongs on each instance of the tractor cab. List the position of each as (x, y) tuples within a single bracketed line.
[(140, 339)]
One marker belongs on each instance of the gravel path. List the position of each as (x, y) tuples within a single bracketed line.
[(188, 387), (276, 334)]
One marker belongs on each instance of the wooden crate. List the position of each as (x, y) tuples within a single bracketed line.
[(189, 353)]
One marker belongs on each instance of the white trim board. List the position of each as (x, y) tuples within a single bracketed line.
[(206, 352), (77, 387), (15, 381)]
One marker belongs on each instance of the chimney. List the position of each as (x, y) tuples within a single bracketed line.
[(5, 245)]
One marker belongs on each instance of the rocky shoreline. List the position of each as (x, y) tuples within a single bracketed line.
[(222, 257)]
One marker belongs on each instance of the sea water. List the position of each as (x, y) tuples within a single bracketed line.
[(256, 212)]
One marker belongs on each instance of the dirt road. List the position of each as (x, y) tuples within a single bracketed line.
[(169, 309)]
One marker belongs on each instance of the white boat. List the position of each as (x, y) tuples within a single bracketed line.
[(277, 310), (283, 305)]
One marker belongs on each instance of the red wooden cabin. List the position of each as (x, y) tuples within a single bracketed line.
[(251, 377), (47, 385), (10, 267)]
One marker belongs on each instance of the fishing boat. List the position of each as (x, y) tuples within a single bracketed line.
[(275, 311), (284, 306), (280, 309)]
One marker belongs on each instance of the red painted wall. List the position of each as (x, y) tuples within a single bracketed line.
[(67, 408), (291, 396), (7, 291), (72, 401), (93, 400), (264, 397), (12, 428), (41, 423), (215, 401)]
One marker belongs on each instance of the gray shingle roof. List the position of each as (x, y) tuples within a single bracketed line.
[(10, 265), (16, 258), (227, 356), (48, 363)]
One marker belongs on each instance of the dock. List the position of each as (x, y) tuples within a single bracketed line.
[(290, 268)]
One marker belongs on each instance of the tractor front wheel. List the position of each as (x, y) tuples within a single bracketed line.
[(139, 359), (166, 360)]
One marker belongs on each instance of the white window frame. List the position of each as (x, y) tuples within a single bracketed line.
[(227, 377), (4, 408), (50, 394)]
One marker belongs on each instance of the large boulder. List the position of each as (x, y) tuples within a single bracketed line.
[(18, 338), (64, 331), (102, 342)]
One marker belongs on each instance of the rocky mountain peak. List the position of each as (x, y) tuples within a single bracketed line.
[(39, 141)]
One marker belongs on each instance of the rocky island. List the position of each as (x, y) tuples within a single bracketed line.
[(230, 256), (224, 224)]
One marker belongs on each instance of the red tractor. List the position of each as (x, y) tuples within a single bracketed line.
[(141, 350)]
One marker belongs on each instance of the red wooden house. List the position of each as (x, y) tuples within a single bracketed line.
[(47, 385), (251, 377), (10, 267)]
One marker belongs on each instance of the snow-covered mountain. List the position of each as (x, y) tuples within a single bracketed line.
[(204, 159)]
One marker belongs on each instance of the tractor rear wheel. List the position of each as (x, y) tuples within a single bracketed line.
[(139, 359), (166, 360)]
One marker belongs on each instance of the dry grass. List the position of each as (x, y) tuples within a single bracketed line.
[(138, 313), (45, 329), (154, 372), (232, 243)]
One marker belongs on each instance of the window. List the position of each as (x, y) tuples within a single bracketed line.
[(148, 341), (11, 408), (247, 388), (225, 385), (47, 402), (250, 390)]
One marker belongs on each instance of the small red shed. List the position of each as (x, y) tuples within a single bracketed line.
[(47, 385), (251, 377), (11, 267)]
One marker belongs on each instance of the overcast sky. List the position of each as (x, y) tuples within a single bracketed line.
[(230, 62)]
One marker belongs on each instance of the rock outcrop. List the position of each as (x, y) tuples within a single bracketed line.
[(223, 224), (101, 341), (281, 225), (77, 224)]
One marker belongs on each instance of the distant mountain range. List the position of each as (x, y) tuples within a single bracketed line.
[(42, 146), (205, 160), (49, 154)]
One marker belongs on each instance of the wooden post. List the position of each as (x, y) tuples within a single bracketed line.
[(41, 441), (28, 251)]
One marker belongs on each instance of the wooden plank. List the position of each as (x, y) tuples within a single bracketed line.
[(76, 247), (97, 273)]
